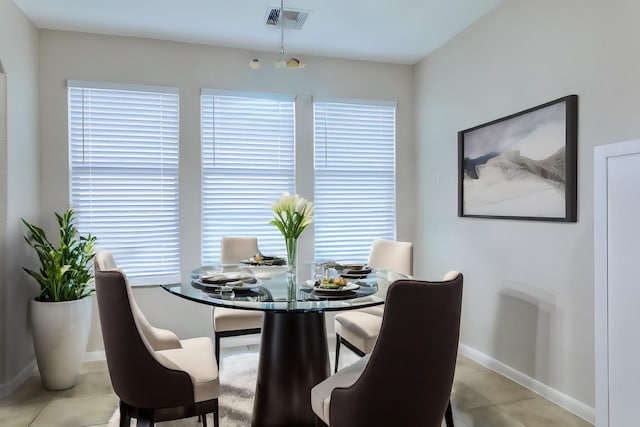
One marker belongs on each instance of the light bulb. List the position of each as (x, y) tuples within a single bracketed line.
[(295, 63), (254, 63)]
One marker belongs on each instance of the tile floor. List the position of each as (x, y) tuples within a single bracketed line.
[(481, 398)]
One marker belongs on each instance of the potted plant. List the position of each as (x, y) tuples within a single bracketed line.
[(61, 312)]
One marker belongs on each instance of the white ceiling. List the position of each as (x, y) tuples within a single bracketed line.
[(395, 31)]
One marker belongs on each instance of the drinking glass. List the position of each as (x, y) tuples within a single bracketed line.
[(318, 272)]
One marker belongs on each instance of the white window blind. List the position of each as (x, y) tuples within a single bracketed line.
[(354, 191), (124, 175), (247, 163)]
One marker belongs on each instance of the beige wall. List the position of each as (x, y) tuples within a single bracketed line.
[(189, 67), (19, 191), (528, 299)]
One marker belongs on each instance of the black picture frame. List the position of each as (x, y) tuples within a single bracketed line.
[(522, 166)]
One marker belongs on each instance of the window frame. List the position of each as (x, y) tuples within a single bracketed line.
[(143, 266), (269, 239), (330, 244)]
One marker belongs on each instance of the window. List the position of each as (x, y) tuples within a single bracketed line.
[(354, 163), (247, 163), (123, 142)]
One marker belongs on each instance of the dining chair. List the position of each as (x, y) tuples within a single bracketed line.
[(229, 322), (358, 329), (158, 339), (406, 380), (152, 385)]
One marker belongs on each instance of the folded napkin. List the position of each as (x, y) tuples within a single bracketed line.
[(265, 260), (224, 278), (342, 266), (241, 283)]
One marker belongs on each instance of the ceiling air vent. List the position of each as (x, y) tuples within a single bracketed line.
[(293, 19)]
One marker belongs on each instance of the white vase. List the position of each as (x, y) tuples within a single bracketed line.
[(60, 336)]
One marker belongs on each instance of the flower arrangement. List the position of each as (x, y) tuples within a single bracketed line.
[(292, 214)]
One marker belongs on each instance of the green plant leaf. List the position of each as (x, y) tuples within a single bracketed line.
[(64, 272)]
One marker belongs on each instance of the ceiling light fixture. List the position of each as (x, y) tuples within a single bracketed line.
[(283, 62)]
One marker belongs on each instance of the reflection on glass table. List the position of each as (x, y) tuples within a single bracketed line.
[(294, 355)]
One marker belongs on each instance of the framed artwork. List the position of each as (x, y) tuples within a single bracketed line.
[(523, 166)]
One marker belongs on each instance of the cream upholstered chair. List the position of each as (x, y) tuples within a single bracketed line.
[(152, 384), (358, 329), (407, 378), (229, 322), (158, 339)]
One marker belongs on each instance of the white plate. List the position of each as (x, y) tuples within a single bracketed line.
[(346, 288)]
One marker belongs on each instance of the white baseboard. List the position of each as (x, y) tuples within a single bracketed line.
[(570, 404), (9, 387)]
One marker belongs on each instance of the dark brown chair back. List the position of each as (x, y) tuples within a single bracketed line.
[(137, 376), (408, 379)]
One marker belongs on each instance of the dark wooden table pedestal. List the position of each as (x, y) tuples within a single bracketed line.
[(294, 357)]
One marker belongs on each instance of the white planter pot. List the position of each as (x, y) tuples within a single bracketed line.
[(60, 335)]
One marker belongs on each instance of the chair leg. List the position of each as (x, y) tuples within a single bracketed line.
[(448, 415), (204, 420), (338, 339), (145, 418), (216, 422), (125, 418), (217, 347)]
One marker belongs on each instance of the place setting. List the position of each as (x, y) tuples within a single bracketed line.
[(264, 267), (346, 269), (264, 260), (217, 280), (330, 290), (355, 271), (327, 283)]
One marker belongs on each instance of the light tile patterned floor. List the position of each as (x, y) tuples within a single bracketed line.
[(481, 398)]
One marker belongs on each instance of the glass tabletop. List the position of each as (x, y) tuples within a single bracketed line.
[(272, 293)]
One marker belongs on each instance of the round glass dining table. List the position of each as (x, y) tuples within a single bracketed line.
[(294, 354)]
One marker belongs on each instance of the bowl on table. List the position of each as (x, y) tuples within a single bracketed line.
[(266, 271)]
